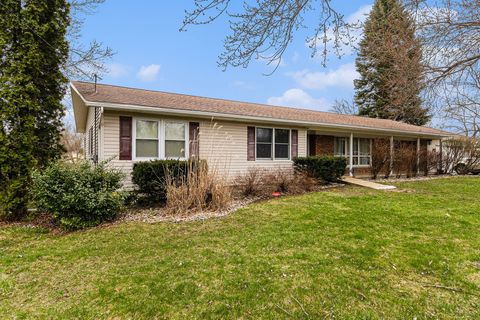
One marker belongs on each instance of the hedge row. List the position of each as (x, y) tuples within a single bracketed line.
[(323, 168)]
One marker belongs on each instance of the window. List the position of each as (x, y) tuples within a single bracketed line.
[(273, 143), (264, 143), (146, 139), (160, 139), (282, 142), (174, 140), (340, 147), (361, 150)]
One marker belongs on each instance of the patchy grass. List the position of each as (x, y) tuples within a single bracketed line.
[(345, 254)]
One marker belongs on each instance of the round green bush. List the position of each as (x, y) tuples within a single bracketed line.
[(78, 195)]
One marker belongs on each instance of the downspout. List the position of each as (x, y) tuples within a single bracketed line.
[(95, 135)]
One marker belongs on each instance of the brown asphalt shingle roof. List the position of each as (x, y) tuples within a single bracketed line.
[(140, 97)]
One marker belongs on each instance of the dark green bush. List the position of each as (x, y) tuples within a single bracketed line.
[(150, 176), (323, 168), (78, 195)]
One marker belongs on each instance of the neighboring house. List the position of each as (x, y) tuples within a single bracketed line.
[(133, 125)]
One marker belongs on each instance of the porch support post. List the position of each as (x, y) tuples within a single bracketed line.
[(392, 148), (418, 155), (351, 155)]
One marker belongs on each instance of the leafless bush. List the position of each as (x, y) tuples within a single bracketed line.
[(257, 182), (405, 160), (288, 181), (380, 157), (280, 180), (303, 182), (250, 183), (429, 161), (200, 190), (461, 150)]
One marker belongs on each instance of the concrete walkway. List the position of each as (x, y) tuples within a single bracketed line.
[(367, 184)]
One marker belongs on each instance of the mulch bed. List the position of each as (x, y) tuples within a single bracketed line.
[(159, 215)]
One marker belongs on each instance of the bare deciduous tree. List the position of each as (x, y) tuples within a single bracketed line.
[(72, 143), (264, 29), (344, 106), (84, 60), (450, 34)]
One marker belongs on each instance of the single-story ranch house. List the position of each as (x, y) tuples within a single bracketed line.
[(132, 125)]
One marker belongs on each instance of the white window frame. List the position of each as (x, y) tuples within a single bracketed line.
[(186, 139), (273, 158), (161, 139), (358, 156)]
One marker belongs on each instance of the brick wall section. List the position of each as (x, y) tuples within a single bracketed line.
[(321, 145)]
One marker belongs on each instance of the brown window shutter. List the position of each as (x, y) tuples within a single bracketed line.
[(251, 143), (194, 143), (125, 138), (294, 143)]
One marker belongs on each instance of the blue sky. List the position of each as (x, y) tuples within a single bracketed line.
[(151, 53)]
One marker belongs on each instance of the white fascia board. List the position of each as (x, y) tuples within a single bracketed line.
[(241, 118)]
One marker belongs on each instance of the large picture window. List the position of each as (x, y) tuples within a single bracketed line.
[(273, 143), (361, 150), (158, 139)]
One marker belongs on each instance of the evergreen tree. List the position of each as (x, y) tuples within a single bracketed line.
[(389, 64), (33, 51)]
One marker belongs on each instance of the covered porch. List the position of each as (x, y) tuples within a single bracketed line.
[(359, 146)]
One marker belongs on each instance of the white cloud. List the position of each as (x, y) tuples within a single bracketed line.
[(243, 85), (343, 76), (117, 70), (148, 73), (298, 98), (360, 15)]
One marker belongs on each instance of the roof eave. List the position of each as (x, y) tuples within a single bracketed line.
[(80, 109), (234, 117)]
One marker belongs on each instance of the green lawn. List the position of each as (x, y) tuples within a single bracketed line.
[(346, 254)]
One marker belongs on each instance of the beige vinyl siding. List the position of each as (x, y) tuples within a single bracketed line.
[(223, 144)]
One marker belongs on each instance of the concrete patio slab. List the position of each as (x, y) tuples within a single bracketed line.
[(367, 184)]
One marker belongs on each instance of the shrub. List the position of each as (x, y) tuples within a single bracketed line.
[(465, 151), (150, 176), (380, 157), (405, 159), (286, 181), (78, 195), (429, 161), (198, 190), (280, 180), (323, 168), (251, 182)]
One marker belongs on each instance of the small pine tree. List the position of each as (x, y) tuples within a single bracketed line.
[(33, 51), (389, 64)]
